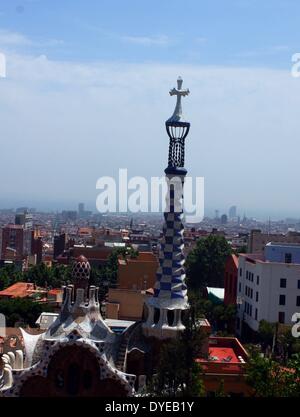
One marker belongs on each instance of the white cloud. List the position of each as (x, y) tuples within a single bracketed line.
[(64, 124), (8, 38), (16, 39), (270, 50)]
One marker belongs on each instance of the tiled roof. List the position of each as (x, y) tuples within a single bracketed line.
[(19, 289)]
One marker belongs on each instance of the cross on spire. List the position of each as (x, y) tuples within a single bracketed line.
[(179, 92)]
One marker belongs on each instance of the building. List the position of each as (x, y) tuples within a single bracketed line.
[(258, 240), (125, 304), (13, 242), (59, 245), (75, 356), (232, 212), (97, 255), (223, 360), (230, 279), (36, 246), (214, 294), (69, 215), (18, 290), (13, 340), (224, 219), (81, 209), (135, 276), (268, 286), (24, 219), (137, 273), (30, 290)]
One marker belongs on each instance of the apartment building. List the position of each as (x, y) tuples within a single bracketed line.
[(268, 286)]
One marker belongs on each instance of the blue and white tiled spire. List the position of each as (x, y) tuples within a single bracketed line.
[(170, 291)]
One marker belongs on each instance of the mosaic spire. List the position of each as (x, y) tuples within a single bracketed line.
[(170, 291)]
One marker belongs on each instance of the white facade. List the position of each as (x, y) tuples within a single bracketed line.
[(266, 291)]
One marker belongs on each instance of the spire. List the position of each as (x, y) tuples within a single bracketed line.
[(170, 292), (177, 129)]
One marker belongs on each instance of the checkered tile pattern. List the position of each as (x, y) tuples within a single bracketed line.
[(170, 276)]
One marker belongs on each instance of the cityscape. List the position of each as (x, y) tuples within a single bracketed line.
[(140, 304)]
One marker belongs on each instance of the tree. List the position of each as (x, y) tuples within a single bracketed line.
[(269, 379), (266, 332), (178, 373), (22, 309), (220, 316), (43, 276), (111, 268), (9, 274), (206, 262)]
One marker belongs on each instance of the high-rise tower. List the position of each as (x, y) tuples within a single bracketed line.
[(164, 308)]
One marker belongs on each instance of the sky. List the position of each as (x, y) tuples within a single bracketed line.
[(87, 86)]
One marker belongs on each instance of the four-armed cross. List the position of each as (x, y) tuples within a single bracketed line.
[(179, 92)]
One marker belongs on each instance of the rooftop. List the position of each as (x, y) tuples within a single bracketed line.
[(284, 245), (19, 289), (226, 355)]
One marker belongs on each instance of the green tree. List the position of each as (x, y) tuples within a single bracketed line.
[(9, 274), (111, 268), (206, 262), (22, 309), (44, 276), (220, 316), (269, 379), (178, 373), (266, 332)]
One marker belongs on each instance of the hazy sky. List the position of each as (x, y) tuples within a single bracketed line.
[(86, 93)]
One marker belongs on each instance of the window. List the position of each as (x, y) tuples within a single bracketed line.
[(247, 274), (240, 287), (282, 282), (282, 300), (170, 316), (298, 301), (298, 284), (281, 317), (257, 280), (156, 315), (256, 314), (241, 272), (256, 296), (288, 258)]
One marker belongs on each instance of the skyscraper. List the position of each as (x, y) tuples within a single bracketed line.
[(232, 212), (12, 242), (81, 209), (59, 245)]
